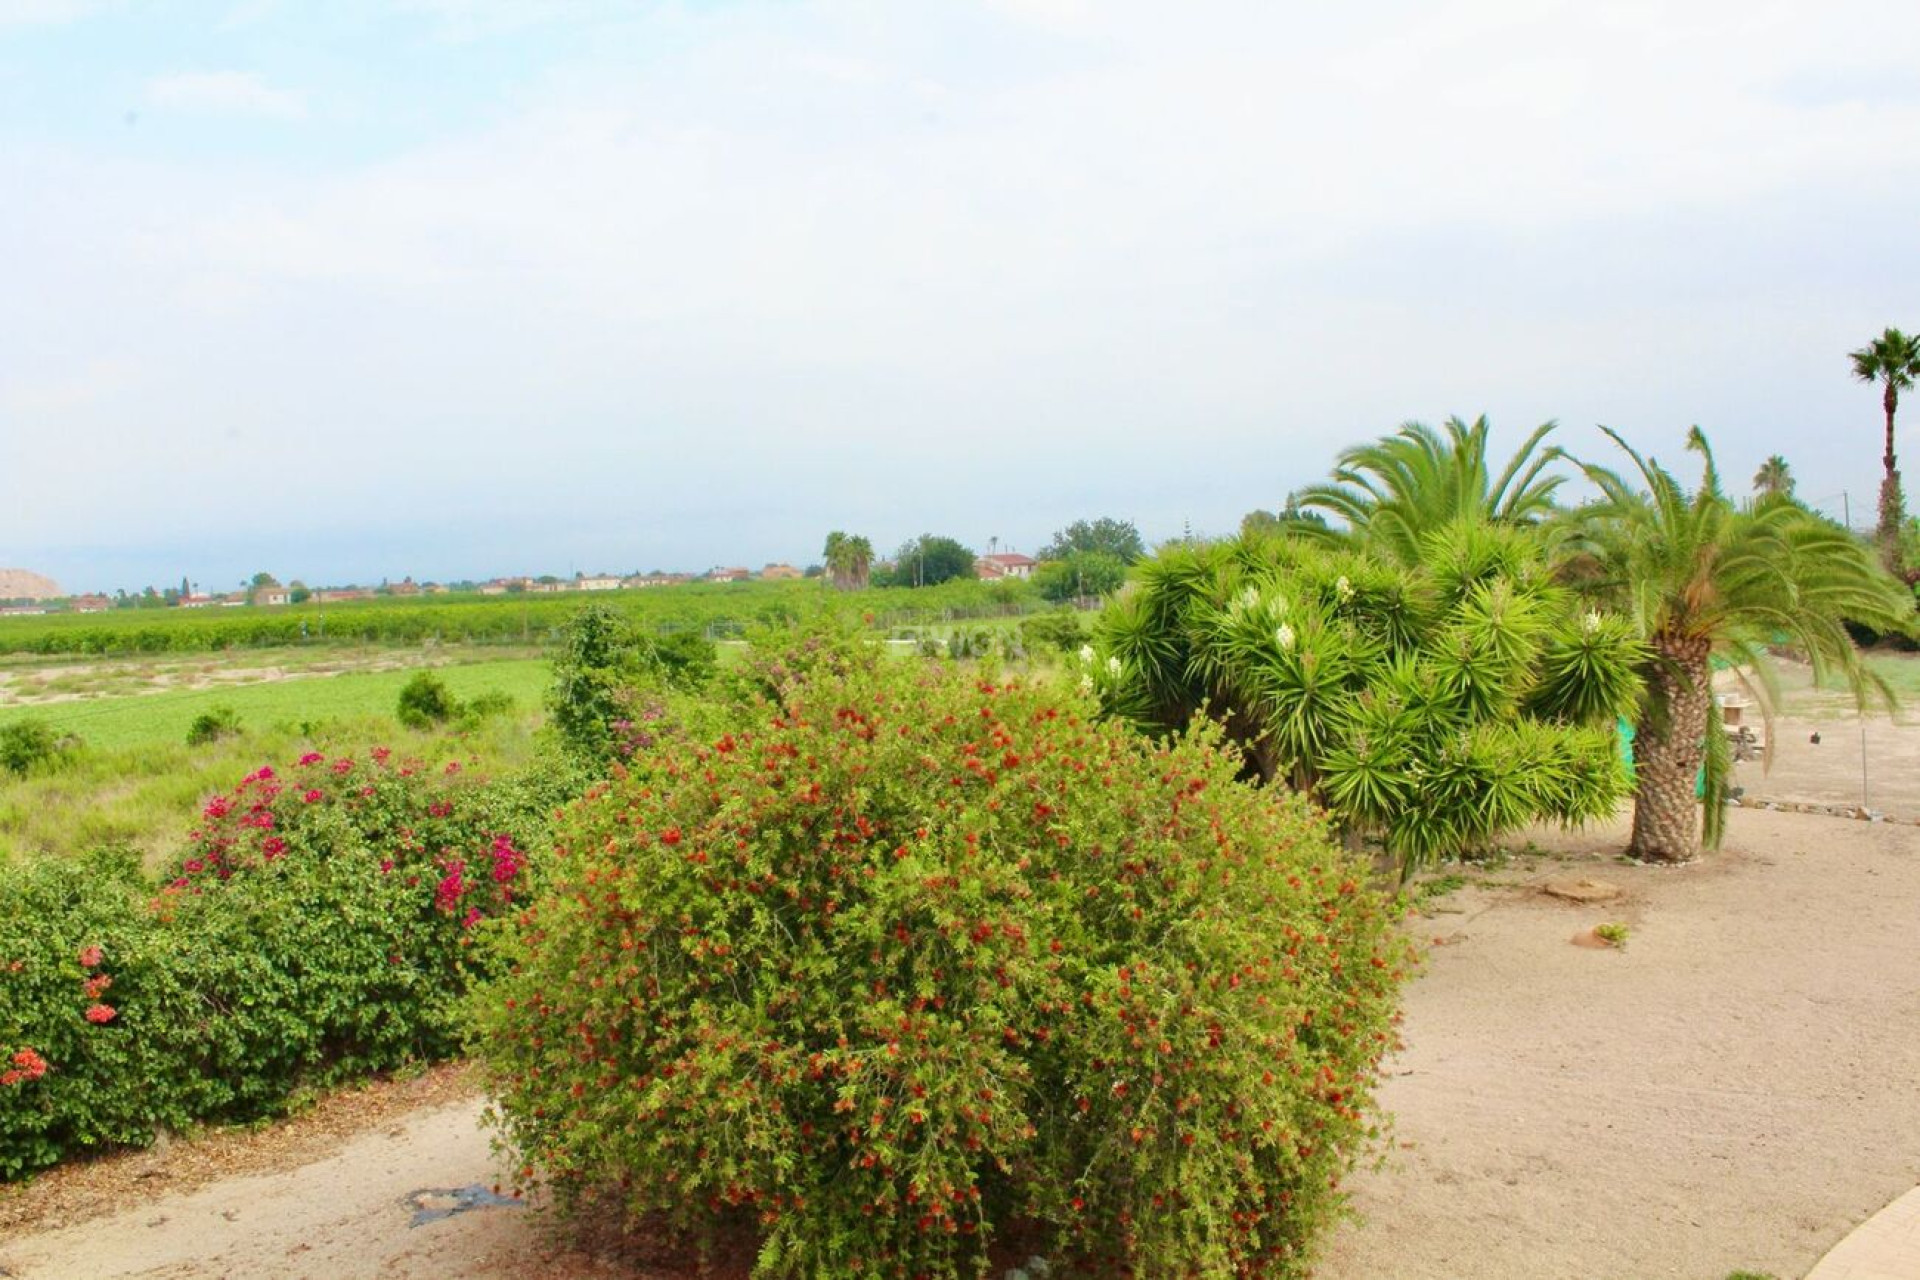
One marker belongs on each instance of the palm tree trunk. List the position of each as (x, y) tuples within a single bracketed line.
[(1891, 403), (1669, 746)]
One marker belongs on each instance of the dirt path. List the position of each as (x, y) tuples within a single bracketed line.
[(1738, 1088)]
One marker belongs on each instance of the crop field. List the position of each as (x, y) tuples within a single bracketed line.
[(721, 610)]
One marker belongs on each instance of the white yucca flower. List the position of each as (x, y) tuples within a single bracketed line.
[(1592, 621), (1086, 685), (1113, 666), (1086, 654), (1283, 636), (1249, 598), (1343, 589)]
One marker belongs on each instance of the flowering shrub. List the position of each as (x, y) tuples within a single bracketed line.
[(317, 928), (905, 959)]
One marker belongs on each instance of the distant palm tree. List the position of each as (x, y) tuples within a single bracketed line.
[(849, 560), (1774, 479), (1399, 490), (1702, 578), (1893, 360)]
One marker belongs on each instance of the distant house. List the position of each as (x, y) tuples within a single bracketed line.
[(271, 596), (435, 588), (22, 610), (91, 604), (404, 587), (728, 575), (655, 580), (781, 573), (547, 588), (495, 588), (1003, 565), (341, 595), (197, 602), (600, 582)]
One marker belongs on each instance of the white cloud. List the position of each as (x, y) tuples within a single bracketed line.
[(226, 92)]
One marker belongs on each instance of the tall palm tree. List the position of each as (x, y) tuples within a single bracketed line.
[(1893, 360), (1774, 479), (1702, 578), (1398, 491)]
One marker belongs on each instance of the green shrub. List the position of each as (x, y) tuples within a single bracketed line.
[(909, 958), (27, 745), (425, 701), (490, 705), (212, 725), (1060, 630)]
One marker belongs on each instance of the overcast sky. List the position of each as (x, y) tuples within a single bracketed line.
[(458, 288)]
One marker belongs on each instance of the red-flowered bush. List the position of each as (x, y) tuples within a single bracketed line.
[(317, 928), (906, 959)]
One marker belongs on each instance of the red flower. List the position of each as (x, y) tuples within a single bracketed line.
[(90, 957), (380, 754), (101, 1014), (273, 847), (97, 984), (670, 836), (311, 797), (312, 757), (27, 1065)]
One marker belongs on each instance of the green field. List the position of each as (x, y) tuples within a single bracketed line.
[(148, 719)]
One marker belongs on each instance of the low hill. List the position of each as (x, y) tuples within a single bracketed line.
[(22, 584)]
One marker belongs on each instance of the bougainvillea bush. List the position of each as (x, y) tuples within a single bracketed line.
[(318, 928), (908, 959)]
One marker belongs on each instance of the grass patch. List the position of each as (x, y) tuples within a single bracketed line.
[(147, 798), (158, 719)]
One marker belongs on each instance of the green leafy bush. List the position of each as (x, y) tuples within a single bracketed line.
[(212, 725), (26, 745), (908, 959), (425, 701), (610, 680)]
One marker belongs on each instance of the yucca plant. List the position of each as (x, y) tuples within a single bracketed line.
[(1699, 578), (1437, 706)]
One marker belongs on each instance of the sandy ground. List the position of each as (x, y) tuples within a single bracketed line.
[(1737, 1088)]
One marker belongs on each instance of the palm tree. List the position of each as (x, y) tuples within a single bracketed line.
[(1702, 579), (1892, 359), (849, 560), (1398, 491), (1774, 479)]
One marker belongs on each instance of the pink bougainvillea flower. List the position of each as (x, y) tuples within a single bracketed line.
[(343, 767), (311, 797), (453, 766), (96, 985), (273, 846), (90, 957), (218, 807), (472, 918), (447, 893), (380, 754), (101, 1014), (311, 758)]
